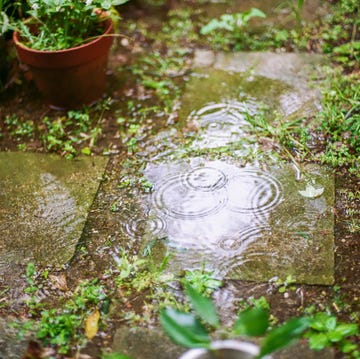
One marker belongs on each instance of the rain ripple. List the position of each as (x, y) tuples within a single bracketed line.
[(253, 191), (192, 195)]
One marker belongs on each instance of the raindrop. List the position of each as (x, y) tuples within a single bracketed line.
[(241, 240)]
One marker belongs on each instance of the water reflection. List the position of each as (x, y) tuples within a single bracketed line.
[(242, 222), (253, 191), (178, 198), (222, 123)]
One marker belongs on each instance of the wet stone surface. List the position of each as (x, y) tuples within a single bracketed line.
[(284, 82), (249, 221), (45, 201), (11, 346)]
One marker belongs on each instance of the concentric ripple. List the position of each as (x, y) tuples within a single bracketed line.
[(206, 179), (138, 228), (179, 199), (221, 122), (232, 112), (253, 191), (241, 240)]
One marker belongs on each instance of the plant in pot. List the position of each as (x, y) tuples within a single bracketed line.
[(192, 331), (66, 46), (3, 53), (8, 10)]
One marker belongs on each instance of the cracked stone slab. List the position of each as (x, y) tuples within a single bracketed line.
[(45, 201)]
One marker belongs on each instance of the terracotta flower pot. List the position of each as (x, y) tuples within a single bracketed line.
[(229, 349), (72, 77)]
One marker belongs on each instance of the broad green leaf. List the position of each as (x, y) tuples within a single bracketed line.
[(253, 12), (322, 322), (184, 329), (334, 336), (312, 192), (252, 322), (318, 341), (346, 330), (348, 347), (203, 306), (284, 335), (331, 323)]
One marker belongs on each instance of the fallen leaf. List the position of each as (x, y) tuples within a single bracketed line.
[(312, 192), (59, 282), (92, 324)]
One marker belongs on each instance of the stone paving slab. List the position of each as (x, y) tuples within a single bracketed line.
[(45, 201), (242, 220), (294, 77), (11, 346)]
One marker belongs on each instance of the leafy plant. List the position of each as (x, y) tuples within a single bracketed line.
[(325, 331), (62, 24), (191, 330), (63, 327), (140, 275), (340, 120), (296, 9), (70, 324), (232, 24), (203, 281), (4, 22)]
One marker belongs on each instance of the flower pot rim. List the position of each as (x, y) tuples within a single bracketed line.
[(109, 29), (248, 347), (230, 344)]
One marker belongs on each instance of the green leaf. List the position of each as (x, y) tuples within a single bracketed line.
[(184, 329), (284, 335), (331, 323), (253, 12), (203, 306), (318, 341), (300, 4), (345, 330), (323, 322), (334, 336), (348, 347), (86, 151), (252, 322)]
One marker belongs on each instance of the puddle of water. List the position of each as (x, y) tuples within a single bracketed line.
[(221, 123), (245, 223), (44, 204)]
